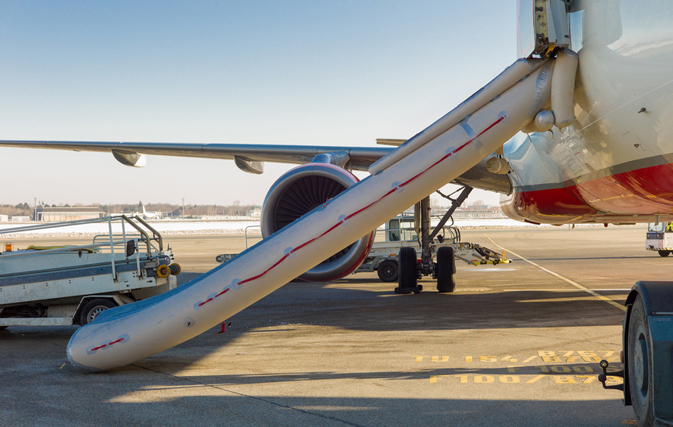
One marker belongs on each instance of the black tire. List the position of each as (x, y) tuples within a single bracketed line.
[(664, 253), (640, 365), (387, 271), (3, 327), (446, 270), (407, 269), (93, 308)]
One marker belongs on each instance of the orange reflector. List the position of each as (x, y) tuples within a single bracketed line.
[(8, 247)]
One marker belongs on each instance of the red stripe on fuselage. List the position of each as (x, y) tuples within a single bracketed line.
[(646, 191)]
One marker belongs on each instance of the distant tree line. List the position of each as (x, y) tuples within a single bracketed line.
[(22, 209), (167, 209)]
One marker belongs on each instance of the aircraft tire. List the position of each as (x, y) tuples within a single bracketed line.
[(446, 270), (388, 271), (93, 308), (664, 253), (640, 365), (407, 276)]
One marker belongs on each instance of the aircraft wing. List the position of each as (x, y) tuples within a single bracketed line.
[(251, 157), (245, 155)]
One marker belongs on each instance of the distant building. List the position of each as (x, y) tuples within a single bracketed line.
[(19, 219), (62, 213), (255, 212), (4, 218)]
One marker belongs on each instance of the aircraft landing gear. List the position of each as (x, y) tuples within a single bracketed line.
[(446, 270), (410, 270)]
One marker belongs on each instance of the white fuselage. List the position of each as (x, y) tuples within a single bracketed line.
[(614, 163)]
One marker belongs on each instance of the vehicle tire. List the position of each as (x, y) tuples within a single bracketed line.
[(3, 327), (407, 268), (446, 269), (387, 271), (93, 308), (664, 253), (640, 367)]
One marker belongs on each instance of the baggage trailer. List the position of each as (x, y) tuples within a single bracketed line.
[(71, 285)]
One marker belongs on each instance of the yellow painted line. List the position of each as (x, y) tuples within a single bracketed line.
[(534, 379), (565, 279)]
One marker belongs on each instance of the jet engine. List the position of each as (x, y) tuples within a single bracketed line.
[(299, 191)]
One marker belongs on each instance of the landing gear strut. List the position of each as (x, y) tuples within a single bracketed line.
[(445, 269)]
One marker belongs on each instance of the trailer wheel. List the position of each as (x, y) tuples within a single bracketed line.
[(407, 276), (175, 268), (93, 308), (640, 365), (664, 253), (163, 271), (387, 271)]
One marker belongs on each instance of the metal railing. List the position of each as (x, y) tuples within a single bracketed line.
[(448, 232), (112, 239)]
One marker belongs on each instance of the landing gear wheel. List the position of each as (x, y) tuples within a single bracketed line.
[(387, 271), (664, 253), (408, 277), (93, 308), (640, 365), (446, 270)]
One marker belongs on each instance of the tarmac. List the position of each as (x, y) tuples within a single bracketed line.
[(516, 345)]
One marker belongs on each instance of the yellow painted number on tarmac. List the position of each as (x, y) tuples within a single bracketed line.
[(561, 379)]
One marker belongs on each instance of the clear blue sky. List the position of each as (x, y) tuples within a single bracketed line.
[(272, 72)]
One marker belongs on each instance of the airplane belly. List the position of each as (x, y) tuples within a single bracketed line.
[(616, 159)]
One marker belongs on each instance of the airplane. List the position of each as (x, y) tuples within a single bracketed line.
[(605, 157), (609, 165), (150, 215)]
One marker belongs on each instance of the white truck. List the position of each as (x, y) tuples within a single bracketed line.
[(71, 285), (401, 232), (659, 238)]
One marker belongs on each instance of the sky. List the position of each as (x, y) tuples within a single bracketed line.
[(260, 72)]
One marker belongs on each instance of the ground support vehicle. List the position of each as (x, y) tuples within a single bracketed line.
[(384, 255), (647, 341), (659, 238), (71, 285)]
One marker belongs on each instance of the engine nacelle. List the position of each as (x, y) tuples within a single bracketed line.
[(298, 192)]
